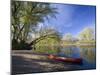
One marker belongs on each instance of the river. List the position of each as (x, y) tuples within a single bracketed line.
[(87, 53)]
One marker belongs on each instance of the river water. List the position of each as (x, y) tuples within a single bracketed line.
[(87, 53)]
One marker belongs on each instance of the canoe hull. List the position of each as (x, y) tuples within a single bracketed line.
[(64, 59)]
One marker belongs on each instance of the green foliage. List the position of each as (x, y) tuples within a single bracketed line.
[(68, 37), (48, 45), (87, 34), (25, 18), (48, 42), (47, 49), (26, 15)]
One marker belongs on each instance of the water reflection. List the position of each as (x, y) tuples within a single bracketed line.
[(70, 52), (88, 54)]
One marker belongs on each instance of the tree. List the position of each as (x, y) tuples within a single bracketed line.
[(25, 18), (46, 33), (50, 43), (68, 37), (86, 34)]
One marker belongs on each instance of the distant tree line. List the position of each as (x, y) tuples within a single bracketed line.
[(87, 35)]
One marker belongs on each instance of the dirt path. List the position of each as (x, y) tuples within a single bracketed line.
[(24, 62)]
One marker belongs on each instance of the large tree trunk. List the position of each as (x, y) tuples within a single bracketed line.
[(22, 45)]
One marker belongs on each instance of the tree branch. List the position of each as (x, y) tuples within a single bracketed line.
[(40, 38)]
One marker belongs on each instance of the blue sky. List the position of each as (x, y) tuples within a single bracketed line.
[(73, 18)]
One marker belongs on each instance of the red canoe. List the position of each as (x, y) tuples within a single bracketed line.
[(65, 59)]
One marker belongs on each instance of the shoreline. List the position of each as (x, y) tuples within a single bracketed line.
[(24, 62)]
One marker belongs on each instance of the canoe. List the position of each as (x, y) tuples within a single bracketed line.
[(65, 59)]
